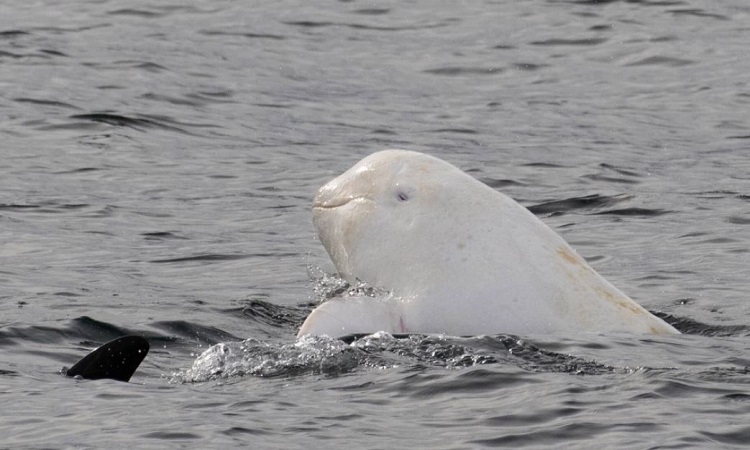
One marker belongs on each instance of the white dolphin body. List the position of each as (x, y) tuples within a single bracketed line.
[(459, 258)]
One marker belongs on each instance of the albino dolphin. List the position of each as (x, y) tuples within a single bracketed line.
[(458, 257)]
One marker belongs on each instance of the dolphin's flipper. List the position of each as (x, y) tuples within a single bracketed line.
[(116, 360)]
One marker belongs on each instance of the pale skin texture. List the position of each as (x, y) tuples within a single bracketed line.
[(459, 258)]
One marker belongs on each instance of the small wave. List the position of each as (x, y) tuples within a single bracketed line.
[(118, 120), (161, 235), (210, 257), (358, 26), (589, 202), (646, 212), (44, 102), (248, 35), (690, 326), (575, 42), (462, 71), (9, 34), (372, 11), (698, 13), (661, 61)]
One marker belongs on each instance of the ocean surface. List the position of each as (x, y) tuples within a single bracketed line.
[(157, 165)]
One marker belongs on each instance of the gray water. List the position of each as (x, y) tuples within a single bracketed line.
[(157, 165)]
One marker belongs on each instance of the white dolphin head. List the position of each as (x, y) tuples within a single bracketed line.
[(378, 220)]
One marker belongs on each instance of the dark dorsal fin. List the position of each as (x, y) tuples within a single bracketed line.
[(116, 360)]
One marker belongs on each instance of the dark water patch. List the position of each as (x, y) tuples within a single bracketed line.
[(720, 241), (529, 66), (210, 257), (661, 61), (455, 130), (274, 105), (16, 207), (218, 97), (248, 35), (534, 359), (739, 435), (147, 66), (574, 42), (240, 431), (664, 39), (463, 71), (737, 220), (544, 165), (637, 2), (42, 102), (52, 52), (67, 294), (621, 171), (497, 183), (118, 120), (190, 331), (383, 131), (79, 171), (41, 53), (43, 207), (587, 203), (693, 387), (4, 54), (8, 34), (137, 13), (97, 330), (161, 235), (89, 330), (690, 326), (358, 26), (372, 11), (142, 122), (698, 13), (714, 194), (341, 417), (633, 212), (607, 179), (563, 434), (309, 24), (504, 47), (171, 435), (8, 373)]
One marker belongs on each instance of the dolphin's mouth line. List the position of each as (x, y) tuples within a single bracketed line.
[(337, 202)]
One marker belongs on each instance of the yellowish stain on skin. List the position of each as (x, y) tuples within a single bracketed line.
[(584, 270), (573, 259)]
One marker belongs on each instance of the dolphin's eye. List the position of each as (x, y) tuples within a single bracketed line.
[(402, 196)]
